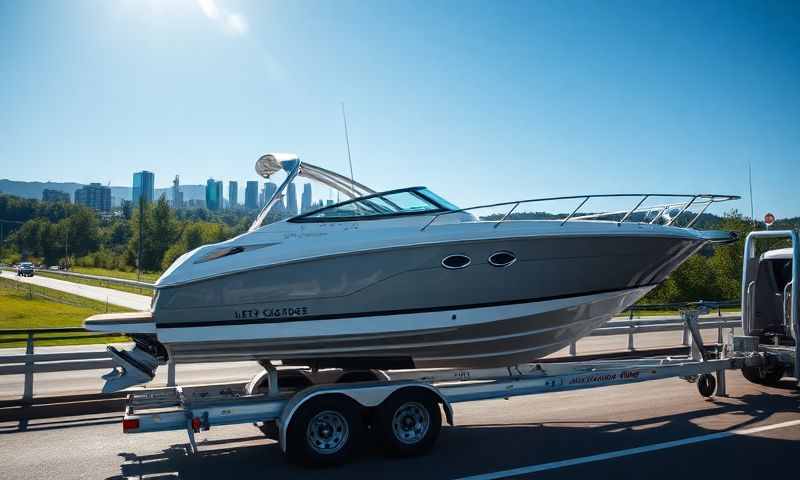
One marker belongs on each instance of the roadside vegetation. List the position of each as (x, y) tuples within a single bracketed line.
[(24, 306), (127, 275), (105, 272), (100, 283)]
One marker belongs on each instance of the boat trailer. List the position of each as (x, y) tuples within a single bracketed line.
[(317, 417)]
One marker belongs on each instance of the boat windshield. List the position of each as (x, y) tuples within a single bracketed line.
[(409, 201)]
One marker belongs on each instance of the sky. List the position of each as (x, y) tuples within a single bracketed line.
[(480, 101)]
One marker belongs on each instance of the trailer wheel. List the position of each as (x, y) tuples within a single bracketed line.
[(408, 422), (706, 384), (763, 376), (325, 431)]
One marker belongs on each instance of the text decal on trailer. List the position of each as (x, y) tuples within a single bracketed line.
[(604, 377), (270, 312)]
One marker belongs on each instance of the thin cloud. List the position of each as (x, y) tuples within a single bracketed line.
[(233, 23)]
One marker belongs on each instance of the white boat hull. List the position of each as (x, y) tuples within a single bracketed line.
[(472, 337)]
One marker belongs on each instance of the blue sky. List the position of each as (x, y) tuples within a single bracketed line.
[(481, 101)]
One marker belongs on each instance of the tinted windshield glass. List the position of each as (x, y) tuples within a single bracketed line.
[(394, 203), (436, 198)]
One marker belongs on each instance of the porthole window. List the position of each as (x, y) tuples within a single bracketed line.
[(502, 259), (454, 262)]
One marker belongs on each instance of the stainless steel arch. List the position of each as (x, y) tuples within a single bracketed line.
[(272, 163)]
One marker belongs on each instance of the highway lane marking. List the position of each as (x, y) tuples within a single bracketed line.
[(629, 451)]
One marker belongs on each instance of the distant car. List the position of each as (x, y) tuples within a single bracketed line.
[(54, 267), (25, 269)]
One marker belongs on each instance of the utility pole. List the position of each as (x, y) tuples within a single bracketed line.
[(141, 239), (750, 182), (66, 251)]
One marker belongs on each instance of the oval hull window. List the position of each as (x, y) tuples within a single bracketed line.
[(454, 262), (502, 259)]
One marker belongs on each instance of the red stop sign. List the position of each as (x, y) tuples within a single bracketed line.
[(769, 219)]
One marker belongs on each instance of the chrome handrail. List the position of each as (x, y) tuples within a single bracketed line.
[(787, 301), (747, 309), (691, 199)]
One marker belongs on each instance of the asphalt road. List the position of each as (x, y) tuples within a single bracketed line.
[(114, 297), (594, 433)]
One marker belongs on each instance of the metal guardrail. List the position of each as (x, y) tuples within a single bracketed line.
[(31, 363), (633, 327), (717, 305), (101, 278), (86, 276)]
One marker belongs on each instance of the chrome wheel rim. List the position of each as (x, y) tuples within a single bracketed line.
[(410, 423), (327, 432)]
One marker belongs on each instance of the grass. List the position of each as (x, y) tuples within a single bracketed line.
[(146, 276), (23, 306), (98, 283)]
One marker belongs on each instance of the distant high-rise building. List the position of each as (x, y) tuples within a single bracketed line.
[(305, 203), (233, 194), (213, 194), (143, 186), (177, 195), (269, 190), (328, 202), (54, 196), (251, 195), (95, 196), (291, 199)]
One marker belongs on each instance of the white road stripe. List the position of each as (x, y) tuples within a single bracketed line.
[(630, 451)]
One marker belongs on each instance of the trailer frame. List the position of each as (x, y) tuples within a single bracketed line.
[(261, 401)]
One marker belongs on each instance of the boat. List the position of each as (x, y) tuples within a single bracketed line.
[(405, 279)]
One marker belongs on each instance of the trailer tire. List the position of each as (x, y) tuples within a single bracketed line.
[(408, 422), (706, 385), (761, 376), (325, 431)]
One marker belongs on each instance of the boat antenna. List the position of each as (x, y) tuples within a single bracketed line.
[(750, 180), (347, 141)]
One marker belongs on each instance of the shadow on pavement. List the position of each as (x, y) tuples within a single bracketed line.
[(63, 411), (475, 449)]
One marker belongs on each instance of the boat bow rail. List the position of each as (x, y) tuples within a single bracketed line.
[(654, 213)]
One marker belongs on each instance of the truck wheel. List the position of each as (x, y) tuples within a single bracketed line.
[(761, 376), (325, 431), (706, 385), (772, 377), (408, 422)]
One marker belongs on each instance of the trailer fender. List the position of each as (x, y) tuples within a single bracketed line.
[(365, 394)]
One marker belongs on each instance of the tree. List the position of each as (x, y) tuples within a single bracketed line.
[(165, 230), (127, 209), (120, 234), (195, 235), (82, 231), (159, 231)]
